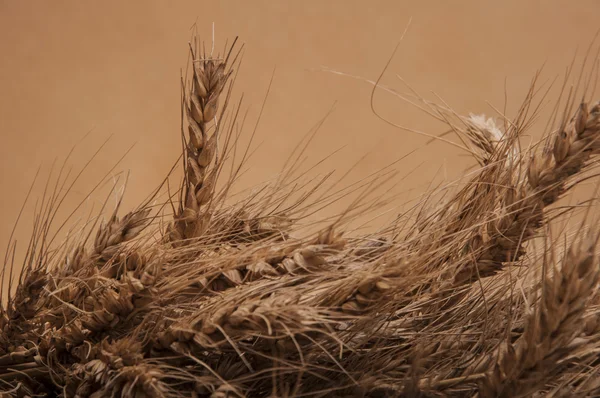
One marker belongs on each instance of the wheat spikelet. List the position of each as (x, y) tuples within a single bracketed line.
[(547, 178)]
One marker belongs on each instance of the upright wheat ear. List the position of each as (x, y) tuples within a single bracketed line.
[(210, 76)]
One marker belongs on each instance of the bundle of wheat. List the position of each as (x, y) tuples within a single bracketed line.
[(229, 300)]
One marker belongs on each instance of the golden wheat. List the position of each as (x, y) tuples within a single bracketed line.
[(232, 300)]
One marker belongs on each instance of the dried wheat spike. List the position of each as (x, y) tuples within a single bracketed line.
[(116, 231), (210, 77), (16, 322), (547, 177), (551, 330)]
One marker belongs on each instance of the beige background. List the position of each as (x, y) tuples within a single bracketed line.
[(113, 67)]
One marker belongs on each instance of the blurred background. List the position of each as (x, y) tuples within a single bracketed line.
[(80, 72)]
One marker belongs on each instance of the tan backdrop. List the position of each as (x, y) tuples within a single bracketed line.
[(113, 67)]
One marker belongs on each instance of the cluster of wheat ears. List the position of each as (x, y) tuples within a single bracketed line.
[(226, 298)]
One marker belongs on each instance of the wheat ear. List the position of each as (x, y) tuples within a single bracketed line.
[(549, 334), (522, 213), (209, 79)]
